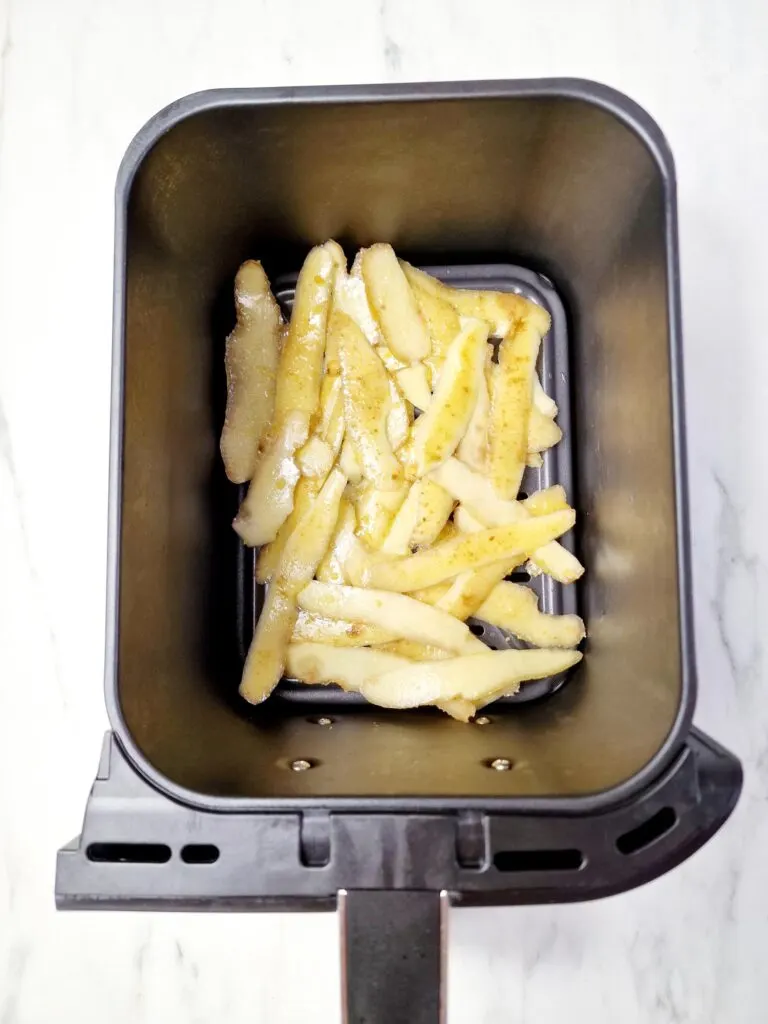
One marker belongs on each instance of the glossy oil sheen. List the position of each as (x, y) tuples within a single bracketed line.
[(564, 178)]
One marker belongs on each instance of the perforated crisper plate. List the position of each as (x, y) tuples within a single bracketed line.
[(557, 468)]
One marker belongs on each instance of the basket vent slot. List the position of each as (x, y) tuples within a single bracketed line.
[(199, 853), (128, 853), (648, 832), (538, 860)]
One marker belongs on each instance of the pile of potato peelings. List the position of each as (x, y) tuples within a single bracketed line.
[(384, 436)]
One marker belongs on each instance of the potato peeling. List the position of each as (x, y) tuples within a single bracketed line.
[(383, 435), (252, 352)]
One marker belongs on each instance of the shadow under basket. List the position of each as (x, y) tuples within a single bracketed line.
[(592, 787)]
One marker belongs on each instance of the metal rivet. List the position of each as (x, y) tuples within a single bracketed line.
[(300, 765), (482, 720), (500, 764)]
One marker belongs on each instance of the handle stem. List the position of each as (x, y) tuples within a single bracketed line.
[(393, 947)]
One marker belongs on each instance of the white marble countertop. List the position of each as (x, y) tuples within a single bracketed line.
[(79, 77)]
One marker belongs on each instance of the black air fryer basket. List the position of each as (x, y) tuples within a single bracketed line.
[(561, 190)]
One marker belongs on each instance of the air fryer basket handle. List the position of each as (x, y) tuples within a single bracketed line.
[(393, 949), (486, 857)]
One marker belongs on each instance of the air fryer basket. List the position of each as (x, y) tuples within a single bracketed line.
[(196, 803)]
